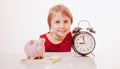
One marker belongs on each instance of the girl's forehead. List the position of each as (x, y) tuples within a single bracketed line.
[(59, 14)]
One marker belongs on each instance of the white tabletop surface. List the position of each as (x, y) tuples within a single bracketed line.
[(68, 61)]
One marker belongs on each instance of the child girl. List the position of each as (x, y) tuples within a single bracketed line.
[(59, 37)]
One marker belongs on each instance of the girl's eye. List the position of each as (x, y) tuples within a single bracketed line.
[(57, 22), (65, 21)]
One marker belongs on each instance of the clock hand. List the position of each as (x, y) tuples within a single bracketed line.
[(83, 39), (83, 42)]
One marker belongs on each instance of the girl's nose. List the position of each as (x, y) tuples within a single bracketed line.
[(62, 25)]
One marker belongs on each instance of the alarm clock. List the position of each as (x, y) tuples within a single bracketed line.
[(83, 42)]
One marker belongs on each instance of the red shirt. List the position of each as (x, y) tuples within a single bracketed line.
[(64, 46)]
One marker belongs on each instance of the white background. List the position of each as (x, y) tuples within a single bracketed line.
[(23, 20)]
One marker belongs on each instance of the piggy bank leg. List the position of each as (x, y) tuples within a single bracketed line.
[(39, 57), (28, 57)]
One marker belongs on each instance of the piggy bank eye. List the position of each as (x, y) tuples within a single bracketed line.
[(31, 42), (37, 44)]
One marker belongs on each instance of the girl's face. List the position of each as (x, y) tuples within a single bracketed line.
[(60, 25)]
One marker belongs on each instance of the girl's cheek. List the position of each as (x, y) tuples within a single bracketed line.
[(68, 26)]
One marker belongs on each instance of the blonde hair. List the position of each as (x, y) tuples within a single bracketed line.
[(59, 8)]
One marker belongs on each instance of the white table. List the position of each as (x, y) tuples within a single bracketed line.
[(68, 61)]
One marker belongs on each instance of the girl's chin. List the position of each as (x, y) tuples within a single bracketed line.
[(62, 34)]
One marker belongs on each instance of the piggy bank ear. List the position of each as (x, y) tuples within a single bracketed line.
[(42, 40)]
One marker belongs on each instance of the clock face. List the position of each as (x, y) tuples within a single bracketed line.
[(84, 43)]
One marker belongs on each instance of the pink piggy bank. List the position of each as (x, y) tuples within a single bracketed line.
[(34, 49)]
